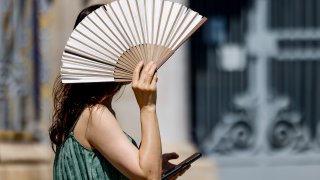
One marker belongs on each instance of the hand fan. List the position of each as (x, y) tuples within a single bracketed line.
[(107, 45)]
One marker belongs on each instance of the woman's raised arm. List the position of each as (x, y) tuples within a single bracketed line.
[(105, 135)]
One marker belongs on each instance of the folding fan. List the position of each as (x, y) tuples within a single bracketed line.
[(107, 45)]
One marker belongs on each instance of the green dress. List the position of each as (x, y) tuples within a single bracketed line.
[(75, 162)]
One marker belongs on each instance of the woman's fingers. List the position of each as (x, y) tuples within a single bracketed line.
[(184, 170), (180, 173), (145, 75), (144, 71), (172, 155), (154, 81), (137, 71), (151, 73)]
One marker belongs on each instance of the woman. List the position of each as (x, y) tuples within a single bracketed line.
[(89, 141)]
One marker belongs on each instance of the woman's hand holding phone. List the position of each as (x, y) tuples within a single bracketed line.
[(180, 168), (167, 166)]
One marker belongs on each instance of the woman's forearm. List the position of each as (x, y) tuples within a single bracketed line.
[(150, 153), (144, 85)]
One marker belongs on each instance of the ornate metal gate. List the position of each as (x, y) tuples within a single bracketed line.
[(256, 87)]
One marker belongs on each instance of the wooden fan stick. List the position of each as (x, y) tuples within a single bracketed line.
[(82, 75), (123, 75), (121, 80), (118, 74), (105, 10), (134, 22), (152, 30), (123, 70), (66, 75), (172, 27), (109, 45), (119, 70), (123, 46), (179, 37), (77, 61), (126, 36), (132, 52), (122, 65), (115, 59), (90, 47), (176, 31), (85, 69), (160, 21), (119, 66), (167, 21), (79, 71), (152, 20), (121, 60), (147, 33), (131, 43), (153, 44), (166, 57), (84, 64), (158, 31), (90, 54), (203, 20), (75, 70), (159, 55), (88, 71), (142, 30), (185, 29), (86, 57), (97, 43), (125, 55), (146, 20), (165, 27), (127, 78), (136, 31), (133, 37)]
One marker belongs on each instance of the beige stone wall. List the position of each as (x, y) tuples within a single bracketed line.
[(25, 162)]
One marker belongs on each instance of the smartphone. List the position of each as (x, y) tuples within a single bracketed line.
[(181, 166)]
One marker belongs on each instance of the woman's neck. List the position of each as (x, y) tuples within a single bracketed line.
[(108, 103)]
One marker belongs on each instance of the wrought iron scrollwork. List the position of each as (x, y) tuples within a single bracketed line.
[(287, 132), (234, 134)]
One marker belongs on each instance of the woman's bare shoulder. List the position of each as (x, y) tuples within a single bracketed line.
[(90, 119), (93, 117), (98, 110), (99, 115)]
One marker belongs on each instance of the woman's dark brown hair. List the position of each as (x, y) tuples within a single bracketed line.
[(69, 100)]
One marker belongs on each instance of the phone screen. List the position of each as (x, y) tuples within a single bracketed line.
[(181, 166)]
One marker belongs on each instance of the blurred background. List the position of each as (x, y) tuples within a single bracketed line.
[(243, 90)]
